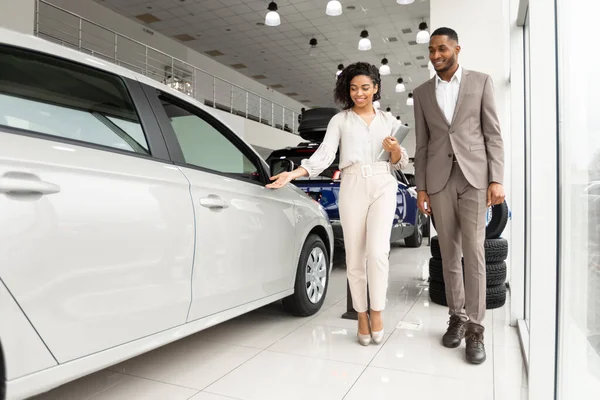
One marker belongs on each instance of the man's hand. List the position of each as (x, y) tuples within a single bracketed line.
[(423, 202), (495, 194)]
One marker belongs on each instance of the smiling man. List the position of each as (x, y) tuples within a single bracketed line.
[(459, 169)]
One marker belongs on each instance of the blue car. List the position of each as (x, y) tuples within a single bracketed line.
[(408, 221)]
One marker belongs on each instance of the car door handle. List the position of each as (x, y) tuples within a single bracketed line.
[(213, 201), (29, 185)]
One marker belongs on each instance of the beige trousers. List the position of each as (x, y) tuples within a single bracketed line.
[(459, 211), (367, 206)]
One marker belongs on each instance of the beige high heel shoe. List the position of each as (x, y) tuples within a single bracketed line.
[(364, 340), (377, 336)]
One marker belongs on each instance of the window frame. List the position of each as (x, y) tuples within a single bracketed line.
[(174, 146), (157, 147)]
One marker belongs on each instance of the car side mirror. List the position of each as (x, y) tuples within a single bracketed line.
[(281, 165)]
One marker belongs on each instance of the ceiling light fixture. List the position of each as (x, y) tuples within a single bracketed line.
[(400, 86), (410, 101), (423, 35), (334, 8), (364, 44), (272, 18), (384, 69), (313, 46), (377, 104), (405, 2), (339, 71)]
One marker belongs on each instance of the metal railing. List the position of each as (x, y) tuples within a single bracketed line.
[(64, 27)]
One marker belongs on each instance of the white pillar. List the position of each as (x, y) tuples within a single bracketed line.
[(18, 15)]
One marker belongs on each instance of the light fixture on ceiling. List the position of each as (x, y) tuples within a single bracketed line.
[(339, 71), (400, 86), (423, 35), (405, 2), (388, 109), (364, 44), (384, 69), (272, 18), (377, 104), (334, 8), (410, 101)]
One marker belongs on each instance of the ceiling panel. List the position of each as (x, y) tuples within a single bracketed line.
[(282, 54)]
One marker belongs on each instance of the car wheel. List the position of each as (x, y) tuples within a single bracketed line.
[(312, 279), (416, 238)]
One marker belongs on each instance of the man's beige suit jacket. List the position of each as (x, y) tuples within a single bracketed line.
[(473, 136)]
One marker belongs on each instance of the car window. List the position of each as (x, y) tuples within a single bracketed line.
[(296, 157), (51, 96), (205, 146)]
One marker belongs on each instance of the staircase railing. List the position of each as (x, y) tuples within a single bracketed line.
[(61, 26)]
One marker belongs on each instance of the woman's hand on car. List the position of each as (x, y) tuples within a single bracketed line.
[(280, 180)]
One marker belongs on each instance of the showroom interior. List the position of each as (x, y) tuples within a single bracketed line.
[(256, 66)]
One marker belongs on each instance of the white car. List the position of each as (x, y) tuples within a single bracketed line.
[(130, 217)]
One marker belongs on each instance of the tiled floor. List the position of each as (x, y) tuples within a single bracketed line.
[(268, 354)]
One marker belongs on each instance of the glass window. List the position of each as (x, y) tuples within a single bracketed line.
[(55, 97), (579, 183), (206, 147)]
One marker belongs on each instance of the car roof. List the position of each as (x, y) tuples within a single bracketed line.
[(31, 42)]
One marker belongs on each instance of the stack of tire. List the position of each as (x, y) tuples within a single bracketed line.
[(496, 252)]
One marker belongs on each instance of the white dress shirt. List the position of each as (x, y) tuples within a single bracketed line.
[(447, 93), (358, 142)]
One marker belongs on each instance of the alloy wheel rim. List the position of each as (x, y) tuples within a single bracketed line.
[(316, 275)]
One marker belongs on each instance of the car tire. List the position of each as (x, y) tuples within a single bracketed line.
[(416, 239), (495, 296), (436, 252), (313, 257), (496, 250), (497, 223), (495, 273), (426, 226)]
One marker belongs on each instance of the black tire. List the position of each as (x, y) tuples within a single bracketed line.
[(436, 252), (436, 270), (495, 296), (416, 239), (299, 304), (495, 273), (426, 225), (498, 222), (496, 225), (496, 250)]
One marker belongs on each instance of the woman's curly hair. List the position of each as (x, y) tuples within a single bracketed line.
[(341, 93)]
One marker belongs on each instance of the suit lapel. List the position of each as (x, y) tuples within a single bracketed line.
[(464, 83), (433, 98)]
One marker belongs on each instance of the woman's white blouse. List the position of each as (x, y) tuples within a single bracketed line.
[(358, 142)]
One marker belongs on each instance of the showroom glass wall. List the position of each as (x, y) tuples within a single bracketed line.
[(579, 182), (562, 199)]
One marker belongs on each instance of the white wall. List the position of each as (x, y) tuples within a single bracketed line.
[(109, 19), (18, 15)]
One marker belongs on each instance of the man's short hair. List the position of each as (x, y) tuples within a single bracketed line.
[(451, 33)]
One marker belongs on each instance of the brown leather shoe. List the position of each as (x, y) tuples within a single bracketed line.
[(455, 333), (475, 351)]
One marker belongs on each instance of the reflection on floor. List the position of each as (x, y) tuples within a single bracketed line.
[(268, 354)]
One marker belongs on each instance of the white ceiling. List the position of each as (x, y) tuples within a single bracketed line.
[(282, 53)]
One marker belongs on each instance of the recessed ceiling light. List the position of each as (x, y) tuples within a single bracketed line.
[(351, 8), (392, 39), (260, 23)]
